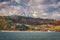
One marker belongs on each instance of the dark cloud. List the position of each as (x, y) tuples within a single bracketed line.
[(58, 0), (4, 0), (51, 9), (13, 3), (47, 2), (25, 1)]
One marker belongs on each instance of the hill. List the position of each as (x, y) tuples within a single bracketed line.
[(27, 23)]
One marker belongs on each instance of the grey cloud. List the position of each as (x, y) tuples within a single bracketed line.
[(4, 0), (28, 7)]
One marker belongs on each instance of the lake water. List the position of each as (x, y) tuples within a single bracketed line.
[(29, 35)]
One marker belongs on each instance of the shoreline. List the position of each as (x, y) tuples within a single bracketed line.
[(23, 31)]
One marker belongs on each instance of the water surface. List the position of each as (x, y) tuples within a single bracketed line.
[(29, 35)]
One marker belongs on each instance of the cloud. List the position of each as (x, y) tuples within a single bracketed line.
[(35, 14), (10, 10), (55, 14), (44, 8), (18, 1), (51, 9), (4, 0)]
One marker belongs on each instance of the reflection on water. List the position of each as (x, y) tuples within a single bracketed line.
[(29, 36)]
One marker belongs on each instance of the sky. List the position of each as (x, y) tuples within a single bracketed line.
[(31, 8)]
